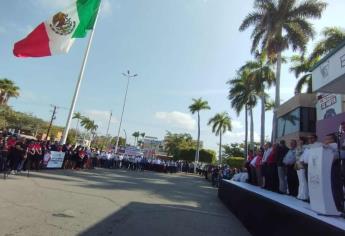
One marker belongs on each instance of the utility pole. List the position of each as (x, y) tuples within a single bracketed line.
[(51, 120)]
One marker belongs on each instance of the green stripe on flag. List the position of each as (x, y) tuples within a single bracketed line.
[(87, 12)]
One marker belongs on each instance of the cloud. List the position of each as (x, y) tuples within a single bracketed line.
[(236, 124), (106, 8), (203, 92), (101, 117), (53, 4), (177, 119)]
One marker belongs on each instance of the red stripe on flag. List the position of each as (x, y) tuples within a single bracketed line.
[(36, 44)]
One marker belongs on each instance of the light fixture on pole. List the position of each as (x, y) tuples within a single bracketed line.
[(128, 76)]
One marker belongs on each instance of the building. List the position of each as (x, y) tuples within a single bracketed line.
[(297, 117), (329, 84), (151, 146)]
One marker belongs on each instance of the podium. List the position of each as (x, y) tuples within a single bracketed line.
[(323, 190)]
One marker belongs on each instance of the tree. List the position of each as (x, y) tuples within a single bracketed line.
[(197, 106), (136, 136), (232, 150), (174, 143), (303, 66), (206, 156), (332, 37), (78, 116), (221, 123), (279, 25), (262, 77), (90, 126), (8, 89), (242, 95), (269, 104)]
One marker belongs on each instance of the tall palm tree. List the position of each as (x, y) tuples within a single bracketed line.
[(88, 125), (221, 123), (278, 25), (332, 37), (8, 89), (197, 106), (78, 116), (242, 96), (262, 77), (136, 136)]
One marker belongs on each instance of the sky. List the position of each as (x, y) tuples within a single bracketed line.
[(180, 49)]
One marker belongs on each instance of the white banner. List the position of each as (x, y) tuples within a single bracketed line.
[(56, 159)]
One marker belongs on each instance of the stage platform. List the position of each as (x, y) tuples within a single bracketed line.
[(267, 213)]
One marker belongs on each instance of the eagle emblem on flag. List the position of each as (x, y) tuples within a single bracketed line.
[(62, 24)]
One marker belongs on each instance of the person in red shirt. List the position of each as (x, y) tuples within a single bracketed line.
[(38, 155), (272, 170)]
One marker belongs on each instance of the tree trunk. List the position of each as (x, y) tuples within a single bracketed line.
[(220, 148), (251, 128), (198, 144), (277, 97), (262, 135), (246, 132)]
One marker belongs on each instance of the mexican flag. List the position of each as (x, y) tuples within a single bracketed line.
[(57, 34)]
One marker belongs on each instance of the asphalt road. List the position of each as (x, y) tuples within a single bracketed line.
[(113, 202)]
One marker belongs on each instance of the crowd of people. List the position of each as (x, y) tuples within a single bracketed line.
[(284, 169), (20, 154)]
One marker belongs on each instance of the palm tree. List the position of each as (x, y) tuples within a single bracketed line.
[(332, 37), (278, 25), (303, 66), (8, 89), (88, 125), (78, 116), (242, 96), (262, 76), (221, 123), (197, 106), (136, 136), (269, 104)]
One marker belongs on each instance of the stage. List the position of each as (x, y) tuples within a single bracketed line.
[(267, 213)]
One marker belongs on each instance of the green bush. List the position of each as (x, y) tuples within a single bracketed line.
[(234, 162)]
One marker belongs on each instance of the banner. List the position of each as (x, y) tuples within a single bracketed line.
[(328, 105), (55, 159)]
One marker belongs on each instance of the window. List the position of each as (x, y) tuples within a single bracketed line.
[(302, 119)]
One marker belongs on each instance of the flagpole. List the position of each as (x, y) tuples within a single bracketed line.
[(77, 88)]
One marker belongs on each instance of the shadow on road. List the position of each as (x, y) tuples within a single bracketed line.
[(160, 219), (174, 187)]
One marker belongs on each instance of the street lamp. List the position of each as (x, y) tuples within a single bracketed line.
[(128, 76)]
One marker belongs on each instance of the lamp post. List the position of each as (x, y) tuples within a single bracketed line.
[(128, 76)]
